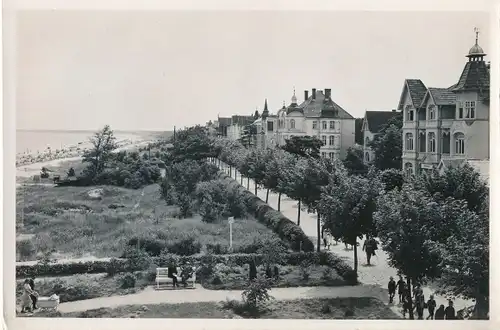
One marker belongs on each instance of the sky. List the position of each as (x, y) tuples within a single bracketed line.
[(153, 70)]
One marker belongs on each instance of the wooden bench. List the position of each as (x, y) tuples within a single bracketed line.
[(162, 277)]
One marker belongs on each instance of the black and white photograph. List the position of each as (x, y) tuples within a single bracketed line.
[(231, 164)]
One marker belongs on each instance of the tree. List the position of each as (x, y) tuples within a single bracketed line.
[(407, 222), (303, 146), (392, 178), (103, 144), (257, 160), (248, 136), (353, 161), (192, 143), (280, 163), (388, 144), (293, 183), (465, 259), (347, 204), (461, 182)]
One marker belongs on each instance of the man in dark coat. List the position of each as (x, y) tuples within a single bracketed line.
[(392, 289), (172, 273)]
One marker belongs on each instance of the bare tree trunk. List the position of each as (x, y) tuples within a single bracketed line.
[(355, 248), (410, 302), (241, 179), (279, 201), (267, 195), (298, 214), (255, 187), (230, 171), (235, 174), (248, 183), (319, 232)]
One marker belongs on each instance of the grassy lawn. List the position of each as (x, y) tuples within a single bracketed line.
[(335, 308), (236, 277), (68, 220)]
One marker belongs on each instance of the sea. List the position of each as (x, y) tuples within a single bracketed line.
[(31, 141)]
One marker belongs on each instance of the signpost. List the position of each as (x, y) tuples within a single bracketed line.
[(231, 221)]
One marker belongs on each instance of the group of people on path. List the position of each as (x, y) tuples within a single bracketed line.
[(29, 297), (419, 304)]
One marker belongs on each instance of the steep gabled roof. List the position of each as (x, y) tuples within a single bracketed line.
[(475, 76), (224, 121), (416, 89), (377, 119), (312, 107), (440, 96)]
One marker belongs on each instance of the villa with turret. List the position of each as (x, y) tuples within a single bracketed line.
[(317, 115), (447, 126)]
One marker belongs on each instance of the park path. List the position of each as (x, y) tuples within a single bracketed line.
[(377, 274), (168, 296)]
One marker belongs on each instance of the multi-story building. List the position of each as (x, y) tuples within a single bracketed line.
[(372, 124), (447, 126), (318, 115), (238, 123)]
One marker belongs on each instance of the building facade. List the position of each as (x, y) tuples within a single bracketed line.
[(318, 115), (446, 126), (373, 122)]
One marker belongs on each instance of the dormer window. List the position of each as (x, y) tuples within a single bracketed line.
[(432, 112), (470, 109)]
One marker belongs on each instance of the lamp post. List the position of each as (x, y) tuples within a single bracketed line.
[(230, 220)]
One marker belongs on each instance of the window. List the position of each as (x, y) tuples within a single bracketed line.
[(432, 142), (409, 169), (332, 124), (270, 126), (445, 143), (410, 113), (323, 139), (323, 154), (292, 123), (332, 140), (324, 125), (470, 109), (331, 155), (367, 140), (409, 141), (315, 124), (367, 156), (459, 143), (432, 111), (460, 110), (421, 141)]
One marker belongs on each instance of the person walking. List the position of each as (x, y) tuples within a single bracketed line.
[(419, 304), (392, 289), (439, 315), (401, 288), (449, 312), (369, 246), (34, 295), (406, 302), (431, 305)]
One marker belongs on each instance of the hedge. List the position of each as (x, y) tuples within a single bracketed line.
[(124, 265), (286, 229)]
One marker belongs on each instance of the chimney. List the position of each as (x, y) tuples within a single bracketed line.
[(306, 95), (314, 93), (328, 93)]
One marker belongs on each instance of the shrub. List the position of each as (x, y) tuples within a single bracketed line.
[(284, 227), (113, 267), (305, 269), (185, 247), (128, 281), (150, 245), (257, 293), (326, 308), (26, 249), (218, 248)]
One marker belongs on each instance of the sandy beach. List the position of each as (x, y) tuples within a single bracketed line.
[(29, 170)]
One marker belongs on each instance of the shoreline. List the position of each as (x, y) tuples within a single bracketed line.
[(28, 170)]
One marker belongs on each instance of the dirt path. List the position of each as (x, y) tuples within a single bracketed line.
[(152, 296)]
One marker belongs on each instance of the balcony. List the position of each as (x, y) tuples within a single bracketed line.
[(446, 123), (409, 124), (409, 154)]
